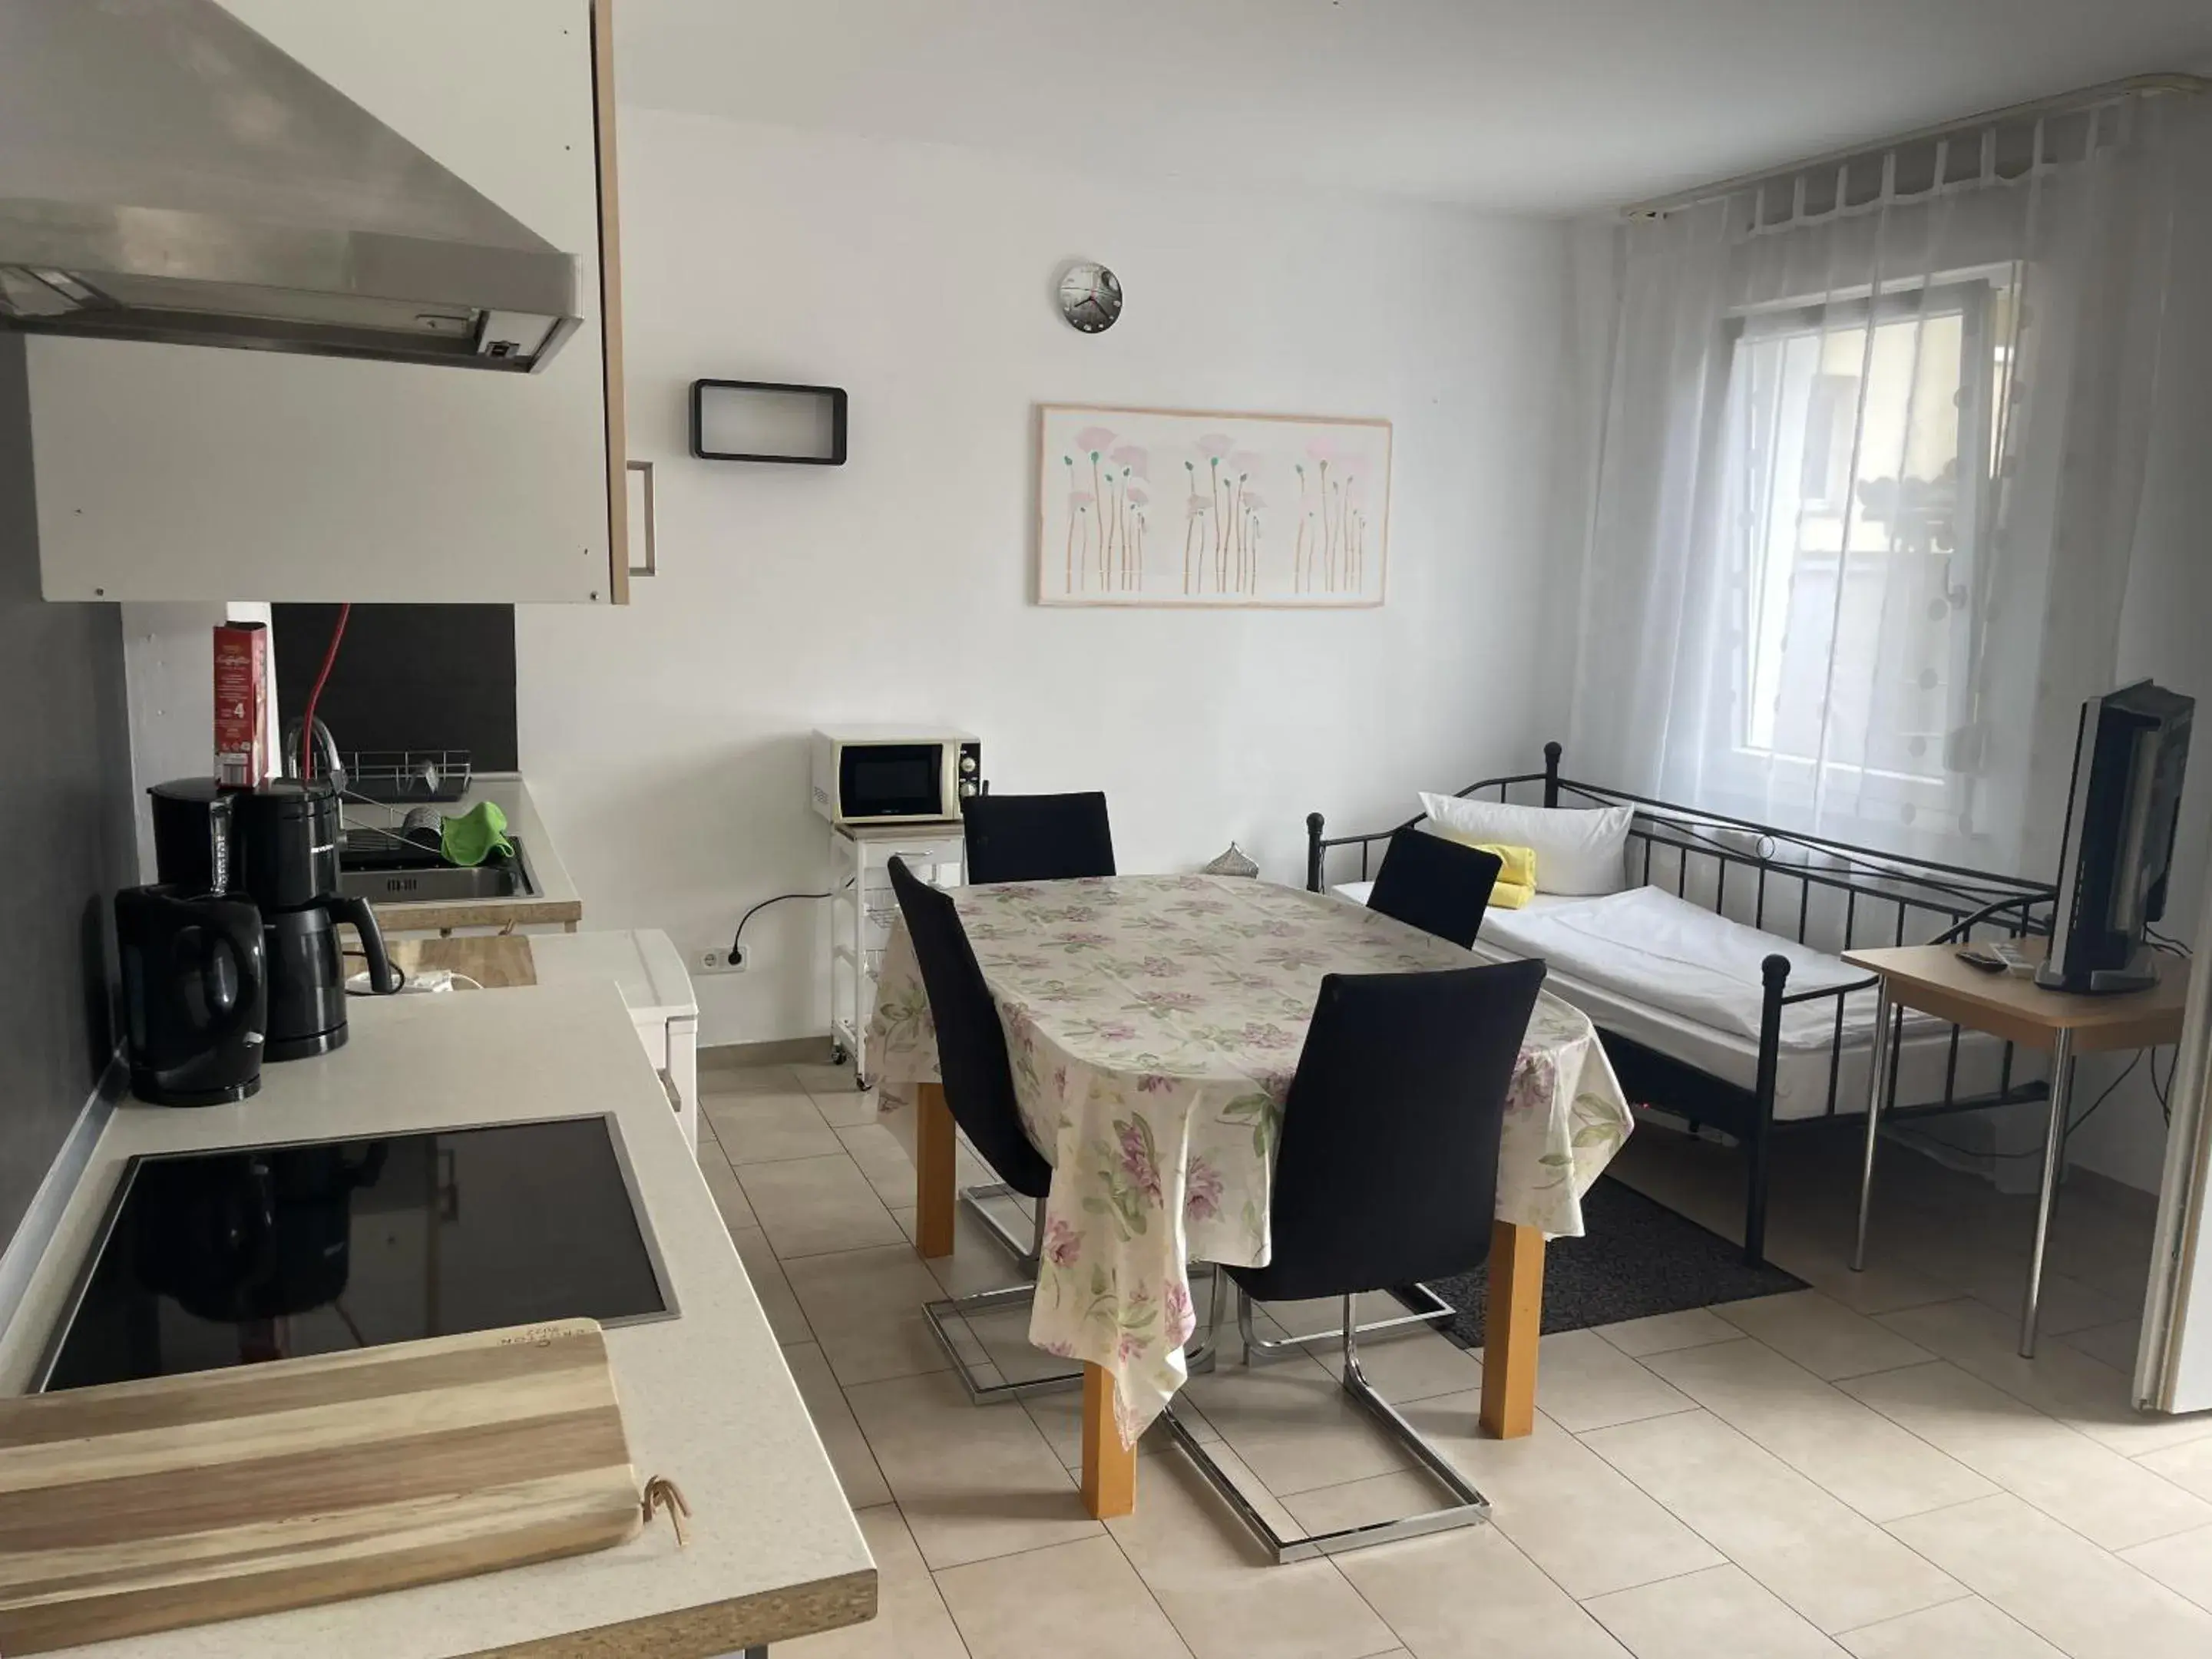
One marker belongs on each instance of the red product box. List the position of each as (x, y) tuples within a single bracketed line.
[(241, 704)]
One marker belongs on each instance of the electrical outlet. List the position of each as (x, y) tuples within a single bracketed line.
[(716, 961)]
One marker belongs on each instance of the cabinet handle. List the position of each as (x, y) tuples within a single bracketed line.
[(668, 1087), (651, 565)]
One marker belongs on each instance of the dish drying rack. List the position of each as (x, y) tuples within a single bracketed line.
[(407, 777)]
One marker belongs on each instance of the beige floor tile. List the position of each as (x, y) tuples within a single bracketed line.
[(1469, 1595), (1883, 1286), (1824, 1560), (865, 1309), (2182, 1563), (910, 1621), (1218, 1586), (2108, 1498), (1294, 1425), (767, 1129), (1854, 1453), (1718, 1614), (776, 1301), (881, 1159), (1664, 1333), (1077, 1601), (973, 1481), (2188, 1466), (1819, 1332), (1409, 1366), (2065, 1305), (715, 1079), (849, 1456), (811, 1206), (722, 1182), (820, 1077), (1059, 1417), (2114, 1344), (1583, 1381), (1967, 1629), (846, 1108), (1564, 1506), (2090, 1604), (2060, 1381)]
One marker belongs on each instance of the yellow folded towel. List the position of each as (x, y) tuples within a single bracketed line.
[(1516, 880)]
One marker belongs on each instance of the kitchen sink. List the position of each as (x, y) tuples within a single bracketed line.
[(384, 869)]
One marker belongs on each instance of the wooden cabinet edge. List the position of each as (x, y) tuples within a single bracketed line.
[(603, 104)]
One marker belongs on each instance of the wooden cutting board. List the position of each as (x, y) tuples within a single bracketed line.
[(143, 1506)]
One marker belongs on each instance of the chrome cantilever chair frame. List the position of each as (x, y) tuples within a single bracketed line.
[(944, 1309), (1425, 1308), (1469, 1507)]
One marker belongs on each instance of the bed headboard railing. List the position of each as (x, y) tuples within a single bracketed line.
[(1829, 895)]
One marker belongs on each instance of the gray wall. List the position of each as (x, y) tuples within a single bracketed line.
[(65, 834)]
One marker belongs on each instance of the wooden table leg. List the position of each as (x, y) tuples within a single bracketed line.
[(1513, 1320), (1109, 1468), (934, 1175)]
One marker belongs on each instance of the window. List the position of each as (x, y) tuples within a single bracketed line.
[(1860, 442)]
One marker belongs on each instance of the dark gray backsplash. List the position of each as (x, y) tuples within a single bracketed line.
[(407, 676), (65, 834)]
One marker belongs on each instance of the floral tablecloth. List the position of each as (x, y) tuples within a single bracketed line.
[(1154, 1023)]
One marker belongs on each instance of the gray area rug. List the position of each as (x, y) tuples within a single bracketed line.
[(1637, 1258)]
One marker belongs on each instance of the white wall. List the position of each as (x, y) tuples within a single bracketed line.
[(665, 744)]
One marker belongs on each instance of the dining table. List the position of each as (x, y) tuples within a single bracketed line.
[(1153, 1025)]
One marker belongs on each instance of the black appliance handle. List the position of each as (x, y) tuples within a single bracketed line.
[(383, 978), (227, 1017)]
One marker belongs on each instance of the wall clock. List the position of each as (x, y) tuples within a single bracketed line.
[(1090, 297)]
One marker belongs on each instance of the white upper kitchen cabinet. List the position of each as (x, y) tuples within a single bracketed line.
[(180, 473)]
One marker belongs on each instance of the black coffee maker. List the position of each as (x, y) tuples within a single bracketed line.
[(282, 841), (194, 994), (289, 835)]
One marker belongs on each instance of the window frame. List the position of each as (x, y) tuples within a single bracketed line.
[(1750, 773)]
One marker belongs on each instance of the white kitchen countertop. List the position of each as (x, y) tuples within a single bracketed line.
[(706, 1397)]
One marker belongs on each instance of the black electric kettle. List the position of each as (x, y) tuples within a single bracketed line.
[(195, 994)]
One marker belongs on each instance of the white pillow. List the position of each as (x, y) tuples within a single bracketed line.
[(1582, 852)]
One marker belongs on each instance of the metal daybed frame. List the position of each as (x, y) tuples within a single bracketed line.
[(1885, 898)]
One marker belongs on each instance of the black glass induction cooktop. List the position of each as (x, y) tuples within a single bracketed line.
[(217, 1258)]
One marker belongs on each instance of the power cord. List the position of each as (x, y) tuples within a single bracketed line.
[(2037, 1151), (2161, 942), (737, 939)]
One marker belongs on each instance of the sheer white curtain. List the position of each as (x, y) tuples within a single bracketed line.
[(1872, 450)]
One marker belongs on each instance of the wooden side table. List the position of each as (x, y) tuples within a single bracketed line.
[(1930, 978)]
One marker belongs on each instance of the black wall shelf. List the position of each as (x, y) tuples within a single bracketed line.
[(768, 421)]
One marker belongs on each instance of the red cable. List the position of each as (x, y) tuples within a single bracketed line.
[(308, 726)]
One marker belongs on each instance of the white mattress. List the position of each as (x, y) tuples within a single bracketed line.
[(1686, 983)]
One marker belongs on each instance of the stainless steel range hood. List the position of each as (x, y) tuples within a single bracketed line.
[(166, 173)]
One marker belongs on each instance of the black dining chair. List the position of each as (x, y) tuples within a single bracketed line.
[(978, 1080), (1386, 1172), (1439, 886), (1038, 837)]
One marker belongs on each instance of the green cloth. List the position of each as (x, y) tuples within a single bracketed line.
[(474, 836)]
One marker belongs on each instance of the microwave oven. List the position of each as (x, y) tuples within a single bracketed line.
[(895, 773)]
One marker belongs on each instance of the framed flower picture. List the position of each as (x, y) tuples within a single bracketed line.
[(1149, 507)]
